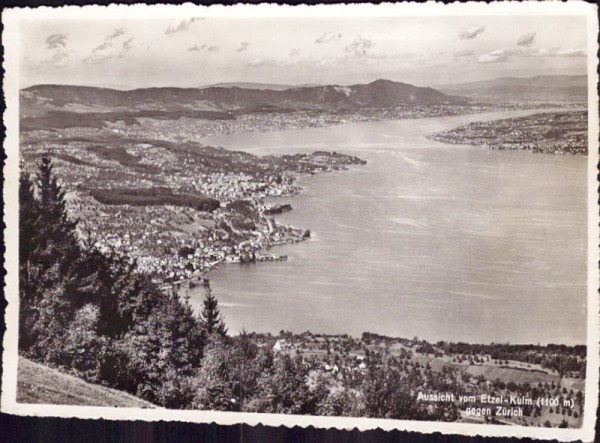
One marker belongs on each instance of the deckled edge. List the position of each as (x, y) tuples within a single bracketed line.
[(10, 174), (11, 40)]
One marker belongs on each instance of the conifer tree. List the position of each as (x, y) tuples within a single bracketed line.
[(185, 333), (95, 315), (53, 205), (211, 319), (47, 246), (213, 386), (28, 217)]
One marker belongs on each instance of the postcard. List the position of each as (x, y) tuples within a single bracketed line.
[(342, 216)]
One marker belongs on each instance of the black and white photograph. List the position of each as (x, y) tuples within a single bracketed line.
[(372, 216)]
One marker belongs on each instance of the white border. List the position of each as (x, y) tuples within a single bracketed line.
[(11, 38)]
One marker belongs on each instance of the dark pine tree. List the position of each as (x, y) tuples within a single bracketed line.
[(29, 215), (97, 317), (28, 219), (53, 205), (48, 248), (211, 319)]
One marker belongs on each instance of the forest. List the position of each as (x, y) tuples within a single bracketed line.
[(154, 196)]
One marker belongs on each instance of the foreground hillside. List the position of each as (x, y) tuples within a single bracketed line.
[(40, 384)]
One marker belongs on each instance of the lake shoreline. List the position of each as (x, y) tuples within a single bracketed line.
[(242, 292)]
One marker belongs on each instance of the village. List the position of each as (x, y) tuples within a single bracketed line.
[(145, 185), (557, 133), (267, 120)]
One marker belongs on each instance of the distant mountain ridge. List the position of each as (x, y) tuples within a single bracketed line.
[(255, 85), (543, 87), (378, 94), (538, 80)]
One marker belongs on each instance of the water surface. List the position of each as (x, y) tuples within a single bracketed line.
[(439, 241)]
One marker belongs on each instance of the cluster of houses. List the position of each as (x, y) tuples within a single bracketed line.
[(551, 133)]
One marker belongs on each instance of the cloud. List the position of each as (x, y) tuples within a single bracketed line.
[(108, 40), (118, 32), (56, 41), (543, 52), (471, 32), (125, 47), (496, 56), (464, 53), (571, 52), (257, 62), (526, 40), (59, 56), (103, 46), (553, 52), (295, 52), (108, 49), (262, 62), (203, 48), (243, 46), (60, 59), (127, 44), (180, 26), (359, 47), (502, 55), (357, 53), (95, 58), (328, 37)]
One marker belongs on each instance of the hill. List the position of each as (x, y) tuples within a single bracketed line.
[(41, 99), (542, 87), (40, 384), (254, 85)]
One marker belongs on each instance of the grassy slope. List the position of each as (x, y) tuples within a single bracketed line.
[(40, 384)]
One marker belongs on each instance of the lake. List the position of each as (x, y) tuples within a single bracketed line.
[(443, 242)]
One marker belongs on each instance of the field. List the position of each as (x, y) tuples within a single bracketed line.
[(42, 385), (476, 370)]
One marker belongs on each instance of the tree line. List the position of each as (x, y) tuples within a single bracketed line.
[(557, 357)]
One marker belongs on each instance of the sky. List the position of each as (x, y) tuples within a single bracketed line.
[(196, 51)]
